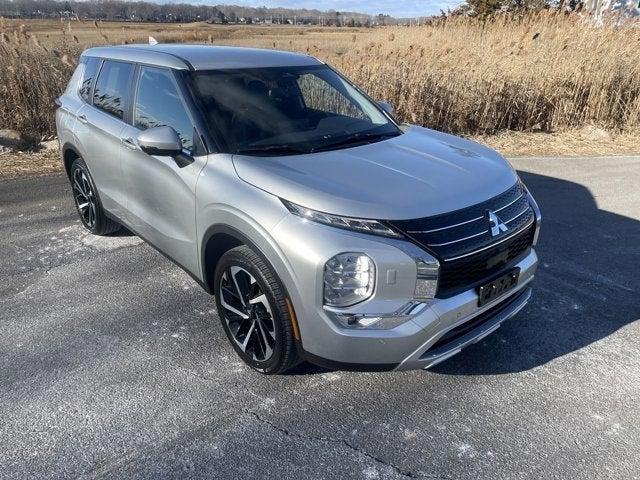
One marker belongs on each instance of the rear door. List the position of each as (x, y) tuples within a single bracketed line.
[(161, 190), (99, 128)]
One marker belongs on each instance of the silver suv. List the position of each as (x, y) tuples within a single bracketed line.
[(327, 231)]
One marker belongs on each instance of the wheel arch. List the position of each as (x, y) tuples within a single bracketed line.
[(220, 238), (216, 241), (69, 154)]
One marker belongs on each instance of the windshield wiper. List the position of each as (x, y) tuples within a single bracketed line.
[(271, 149), (355, 138)]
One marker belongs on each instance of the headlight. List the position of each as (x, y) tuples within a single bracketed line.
[(349, 278), (356, 224)]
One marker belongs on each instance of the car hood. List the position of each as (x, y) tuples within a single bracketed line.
[(418, 174)]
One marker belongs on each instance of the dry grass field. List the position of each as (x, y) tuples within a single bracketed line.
[(542, 73)]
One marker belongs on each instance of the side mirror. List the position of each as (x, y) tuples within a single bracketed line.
[(161, 141), (387, 107)]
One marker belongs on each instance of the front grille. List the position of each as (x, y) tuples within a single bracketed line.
[(475, 269), (463, 243)]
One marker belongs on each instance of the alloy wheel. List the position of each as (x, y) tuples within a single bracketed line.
[(247, 313), (84, 197)]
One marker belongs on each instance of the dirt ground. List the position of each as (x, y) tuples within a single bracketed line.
[(589, 141)]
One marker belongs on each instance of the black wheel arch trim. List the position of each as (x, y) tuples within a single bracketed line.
[(69, 147), (224, 229)]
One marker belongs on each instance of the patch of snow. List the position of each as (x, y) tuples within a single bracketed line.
[(409, 434), (615, 429), (370, 473), (331, 377), (465, 450)]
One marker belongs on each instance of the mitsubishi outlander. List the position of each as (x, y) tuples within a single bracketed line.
[(327, 231)]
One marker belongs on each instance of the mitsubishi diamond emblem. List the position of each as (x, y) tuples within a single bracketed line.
[(495, 224)]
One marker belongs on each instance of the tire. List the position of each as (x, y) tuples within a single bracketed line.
[(252, 306), (87, 201)]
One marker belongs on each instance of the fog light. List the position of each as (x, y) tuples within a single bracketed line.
[(427, 279), (349, 278), (383, 321)]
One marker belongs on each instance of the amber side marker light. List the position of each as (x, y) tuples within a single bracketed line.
[(294, 320)]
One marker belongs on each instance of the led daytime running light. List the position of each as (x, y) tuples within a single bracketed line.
[(372, 227)]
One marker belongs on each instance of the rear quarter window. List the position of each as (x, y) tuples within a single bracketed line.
[(112, 88), (91, 65), (72, 86)]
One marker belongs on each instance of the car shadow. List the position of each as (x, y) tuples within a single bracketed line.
[(123, 232), (586, 287), (306, 368)]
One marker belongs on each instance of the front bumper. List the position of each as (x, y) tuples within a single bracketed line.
[(435, 351), (439, 332), (407, 346)]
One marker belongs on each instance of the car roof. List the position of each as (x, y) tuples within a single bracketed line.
[(203, 57)]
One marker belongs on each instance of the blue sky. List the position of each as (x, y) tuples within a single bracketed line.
[(397, 8)]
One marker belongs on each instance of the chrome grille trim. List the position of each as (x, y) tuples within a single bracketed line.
[(480, 233), (466, 222), (447, 227), (519, 215), (456, 241), (451, 259), (509, 204), (462, 240)]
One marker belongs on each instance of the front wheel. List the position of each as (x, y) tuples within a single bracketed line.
[(252, 306)]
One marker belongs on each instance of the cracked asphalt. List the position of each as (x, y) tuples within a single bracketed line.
[(113, 363)]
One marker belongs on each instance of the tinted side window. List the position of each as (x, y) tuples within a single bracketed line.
[(112, 87), (90, 69), (72, 86), (158, 103)]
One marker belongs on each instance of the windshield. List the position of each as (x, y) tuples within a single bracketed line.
[(288, 110)]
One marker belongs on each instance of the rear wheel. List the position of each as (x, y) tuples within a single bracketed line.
[(87, 201), (252, 307)]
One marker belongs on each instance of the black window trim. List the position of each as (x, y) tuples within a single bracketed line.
[(200, 143), (209, 143)]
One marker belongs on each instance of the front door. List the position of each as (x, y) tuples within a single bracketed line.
[(161, 201)]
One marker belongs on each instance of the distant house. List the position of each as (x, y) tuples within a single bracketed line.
[(614, 8)]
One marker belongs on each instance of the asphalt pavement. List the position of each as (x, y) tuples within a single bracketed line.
[(113, 363)]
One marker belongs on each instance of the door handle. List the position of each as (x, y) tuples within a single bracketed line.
[(82, 118), (129, 143)]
